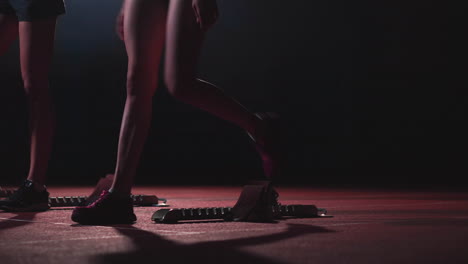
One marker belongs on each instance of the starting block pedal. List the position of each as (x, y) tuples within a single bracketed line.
[(225, 213)]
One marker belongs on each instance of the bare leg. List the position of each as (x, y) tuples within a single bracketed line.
[(8, 31), (183, 46), (144, 29), (36, 49)]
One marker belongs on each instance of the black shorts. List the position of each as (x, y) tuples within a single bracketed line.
[(30, 10)]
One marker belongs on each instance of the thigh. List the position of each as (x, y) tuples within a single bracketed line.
[(36, 48), (183, 42), (144, 30)]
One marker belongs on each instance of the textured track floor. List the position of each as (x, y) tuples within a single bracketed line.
[(370, 226)]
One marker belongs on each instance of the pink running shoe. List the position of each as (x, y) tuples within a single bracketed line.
[(108, 209)]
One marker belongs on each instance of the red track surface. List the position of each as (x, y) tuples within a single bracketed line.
[(368, 227)]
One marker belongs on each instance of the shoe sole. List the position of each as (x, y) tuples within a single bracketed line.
[(101, 221), (90, 222), (33, 208)]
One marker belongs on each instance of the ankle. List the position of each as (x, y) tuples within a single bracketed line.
[(36, 186)]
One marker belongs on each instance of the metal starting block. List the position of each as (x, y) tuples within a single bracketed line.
[(225, 213), (103, 184), (138, 200), (258, 202), (69, 201)]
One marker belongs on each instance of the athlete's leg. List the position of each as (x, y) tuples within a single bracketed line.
[(144, 30), (36, 49), (8, 31), (183, 45)]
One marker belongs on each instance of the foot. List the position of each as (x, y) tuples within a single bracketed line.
[(106, 210), (267, 141), (26, 199)]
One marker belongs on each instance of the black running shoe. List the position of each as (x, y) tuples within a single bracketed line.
[(26, 199), (108, 209)]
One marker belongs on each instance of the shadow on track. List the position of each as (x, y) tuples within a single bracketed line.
[(151, 246), (20, 219)]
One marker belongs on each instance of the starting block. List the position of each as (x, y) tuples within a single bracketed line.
[(103, 184), (226, 214), (257, 203), (138, 200)]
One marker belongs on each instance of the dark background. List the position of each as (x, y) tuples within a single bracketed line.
[(371, 93)]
